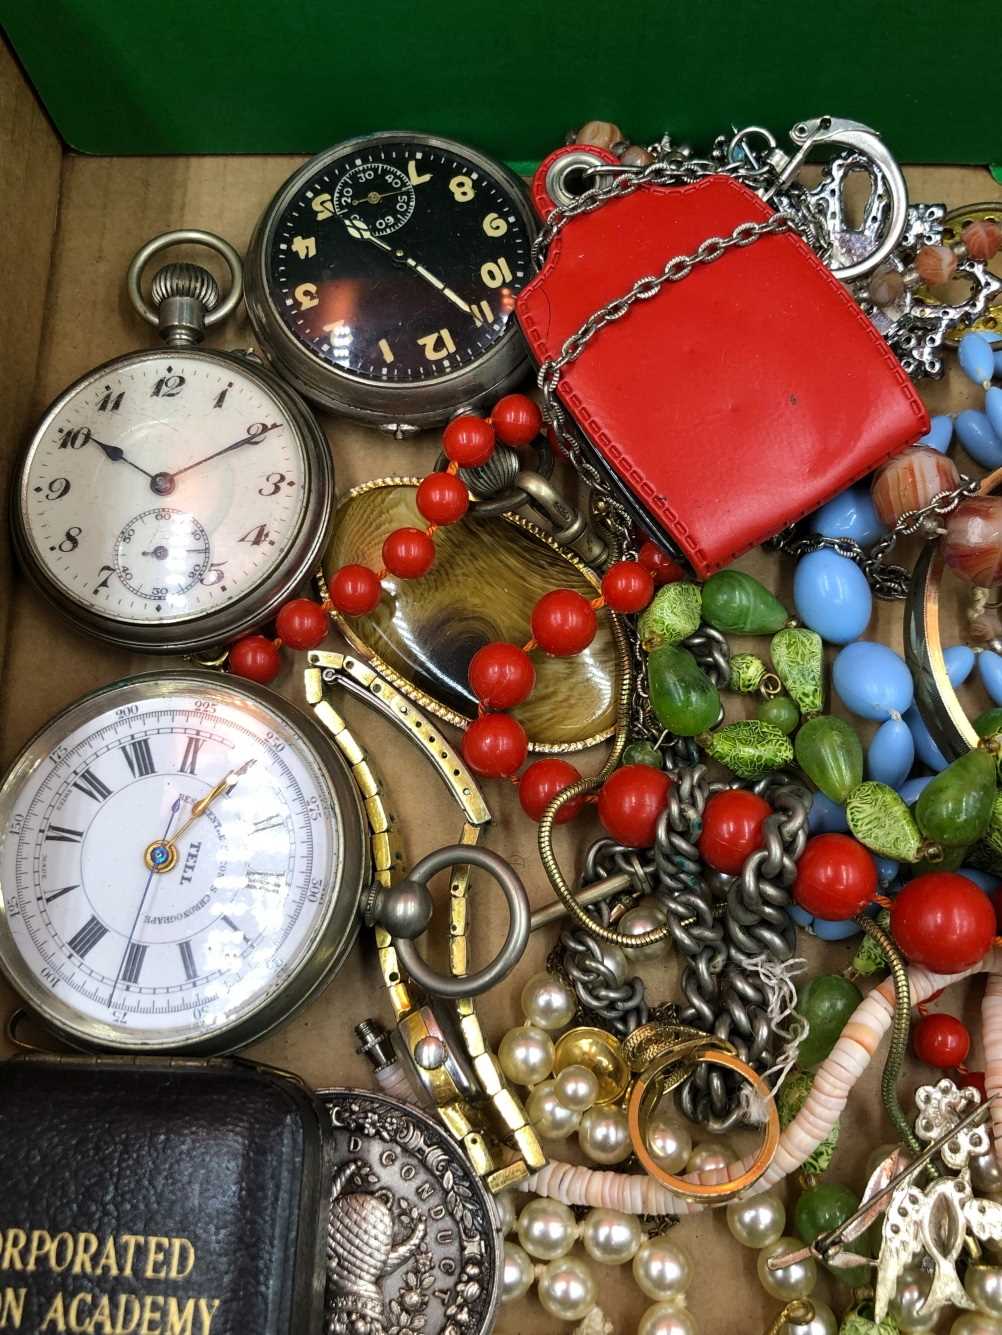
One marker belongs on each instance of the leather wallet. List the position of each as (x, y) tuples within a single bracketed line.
[(736, 400), (159, 1195)]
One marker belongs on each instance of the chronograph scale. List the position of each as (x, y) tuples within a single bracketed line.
[(381, 279)]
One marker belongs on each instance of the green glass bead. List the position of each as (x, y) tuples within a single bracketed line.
[(989, 723), (683, 696), (751, 749), (826, 1004), (860, 1319), (747, 671), (952, 859), (642, 753), (824, 1207), (831, 755), (869, 958), (780, 711), (798, 655), (672, 615), (880, 819), (790, 1099), (955, 806), (738, 604)]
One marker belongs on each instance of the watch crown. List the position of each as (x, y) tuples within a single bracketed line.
[(183, 294)]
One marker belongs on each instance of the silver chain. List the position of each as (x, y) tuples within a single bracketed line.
[(712, 653)]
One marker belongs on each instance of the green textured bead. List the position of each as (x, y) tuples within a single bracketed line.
[(738, 604), (991, 845), (860, 1320), (747, 672), (989, 724), (780, 711), (682, 695), (869, 958), (824, 1207), (879, 818), (826, 1004), (798, 655), (751, 749), (984, 857), (672, 615), (831, 755), (791, 1098), (955, 806), (642, 753)]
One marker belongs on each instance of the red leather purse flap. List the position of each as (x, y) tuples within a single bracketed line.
[(739, 398)]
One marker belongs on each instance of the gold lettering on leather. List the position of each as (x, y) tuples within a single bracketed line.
[(74, 1322), (180, 1319), (102, 1315), (153, 1304), (207, 1310), (56, 1315), (14, 1241), (12, 1308), (180, 1247), (130, 1241), (109, 1259), (120, 1327), (86, 1247), (68, 1243), (39, 1245), (156, 1249)]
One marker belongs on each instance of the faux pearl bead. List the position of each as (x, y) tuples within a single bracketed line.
[(976, 1323), (547, 1229), (517, 1273), (548, 1115), (669, 1142), (984, 1287), (667, 1319), (611, 1237), (547, 1002), (824, 1322), (661, 1269), (526, 1054), (986, 1173), (566, 1288), (614, 961), (757, 1222), (907, 1305), (644, 918), (793, 1281), (604, 1135), (504, 1203), (711, 1155), (577, 1088)]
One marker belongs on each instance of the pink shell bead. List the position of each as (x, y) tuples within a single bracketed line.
[(973, 544), (983, 239), (910, 480)]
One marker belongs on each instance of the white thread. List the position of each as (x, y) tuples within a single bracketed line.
[(777, 979)]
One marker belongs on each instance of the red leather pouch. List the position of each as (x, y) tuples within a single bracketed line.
[(736, 400)]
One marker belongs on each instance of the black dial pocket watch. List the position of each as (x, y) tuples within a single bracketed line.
[(381, 280), (173, 499)]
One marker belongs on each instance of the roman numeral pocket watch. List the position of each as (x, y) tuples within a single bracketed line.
[(172, 499)]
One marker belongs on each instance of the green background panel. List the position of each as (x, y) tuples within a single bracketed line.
[(284, 76)]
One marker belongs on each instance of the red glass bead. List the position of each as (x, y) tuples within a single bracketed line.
[(468, 441), (256, 658), (301, 624), (408, 553), (495, 745), (563, 623), (630, 803), (663, 569), (910, 480), (941, 1040), (540, 784), (442, 498), (355, 590), (943, 921), (973, 1080), (627, 586), (501, 675), (836, 877), (983, 239), (972, 547), (517, 420), (732, 828)]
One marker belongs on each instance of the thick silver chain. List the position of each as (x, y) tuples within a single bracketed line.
[(718, 923)]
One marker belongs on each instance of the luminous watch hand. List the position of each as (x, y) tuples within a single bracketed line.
[(116, 454), (250, 439), (358, 229)]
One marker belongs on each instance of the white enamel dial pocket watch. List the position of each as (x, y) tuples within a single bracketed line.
[(181, 862), (173, 499)]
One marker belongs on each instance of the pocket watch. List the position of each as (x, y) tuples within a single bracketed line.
[(173, 499), (181, 863), (381, 280)]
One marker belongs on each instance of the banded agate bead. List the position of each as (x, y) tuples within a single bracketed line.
[(973, 545), (910, 480)]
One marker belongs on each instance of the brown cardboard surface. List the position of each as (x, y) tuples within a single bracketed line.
[(89, 216)]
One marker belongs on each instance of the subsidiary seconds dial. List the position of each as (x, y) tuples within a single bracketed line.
[(383, 277)]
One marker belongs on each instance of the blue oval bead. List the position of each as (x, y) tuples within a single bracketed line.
[(990, 672), (925, 748), (993, 409), (940, 433), (909, 792), (832, 596), (993, 337), (891, 753), (873, 681), (851, 514), (976, 359), (800, 916), (887, 871), (979, 438), (826, 816), (835, 931), (959, 660), (983, 879), (998, 363)]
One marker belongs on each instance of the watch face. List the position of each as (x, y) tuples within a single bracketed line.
[(163, 488), (397, 260), (169, 857)]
